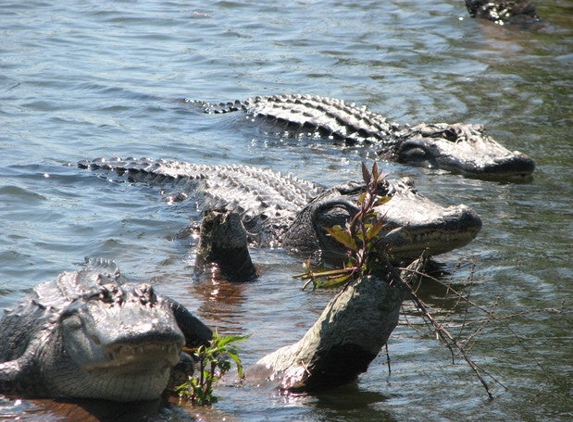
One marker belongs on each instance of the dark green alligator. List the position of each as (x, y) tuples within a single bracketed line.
[(94, 334), (460, 148), (284, 211)]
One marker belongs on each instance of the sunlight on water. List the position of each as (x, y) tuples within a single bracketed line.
[(105, 79)]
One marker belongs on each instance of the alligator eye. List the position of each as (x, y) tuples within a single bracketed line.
[(452, 134), (412, 155), (337, 214), (106, 295), (146, 294), (384, 188), (71, 319)]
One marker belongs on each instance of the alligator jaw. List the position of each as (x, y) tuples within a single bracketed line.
[(134, 357), (415, 224), (463, 149), (437, 237)]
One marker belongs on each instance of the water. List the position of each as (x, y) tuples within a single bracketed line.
[(87, 79)]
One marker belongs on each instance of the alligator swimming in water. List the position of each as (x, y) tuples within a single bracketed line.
[(93, 334), (284, 211), (517, 12), (460, 148)]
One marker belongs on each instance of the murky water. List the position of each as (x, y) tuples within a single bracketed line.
[(87, 79)]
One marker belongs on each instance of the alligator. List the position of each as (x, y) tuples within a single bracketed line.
[(285, 211), (512, 12), (460, 148), (94, 334)]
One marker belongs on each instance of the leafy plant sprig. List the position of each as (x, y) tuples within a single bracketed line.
[(360, 236), (213, 362)]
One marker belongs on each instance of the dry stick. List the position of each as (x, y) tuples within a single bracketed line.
[(411, 324), (481, 308), (440, 330), (492, 316), (489, 317), (388, 360), (448, 339), (454, 291), (466, 313)]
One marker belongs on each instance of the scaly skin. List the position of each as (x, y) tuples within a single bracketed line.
[(459, 148), (284, 211), (93, 334)]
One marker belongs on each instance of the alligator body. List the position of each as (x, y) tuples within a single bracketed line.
[(284, 211), (516, 12), (460, 148), (93, 334)]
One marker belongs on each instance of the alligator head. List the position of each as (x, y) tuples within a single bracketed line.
[(92, 334), (122, 341), (461, 148), (414, 224)]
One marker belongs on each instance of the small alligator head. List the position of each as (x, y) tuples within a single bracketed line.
[(94, 334), (414, 224), (463, 149)]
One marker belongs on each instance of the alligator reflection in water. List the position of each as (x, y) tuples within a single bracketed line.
[(459, 148), (284, 211)]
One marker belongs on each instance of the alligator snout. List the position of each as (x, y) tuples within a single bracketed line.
[(440, 231), (516, 164)]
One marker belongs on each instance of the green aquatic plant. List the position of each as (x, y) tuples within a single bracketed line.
[(360, 236), (212, 362)]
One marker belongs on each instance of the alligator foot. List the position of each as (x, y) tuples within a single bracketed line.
[(223, 242)]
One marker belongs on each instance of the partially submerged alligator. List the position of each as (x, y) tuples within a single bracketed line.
[(284, 211), (520, 12), (459, 148), (93, 334)]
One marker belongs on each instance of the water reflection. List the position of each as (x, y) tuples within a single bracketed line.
[(222, 301), (79, 410), (347, 402)]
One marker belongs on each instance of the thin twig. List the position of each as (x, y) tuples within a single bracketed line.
[(447, 339)]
